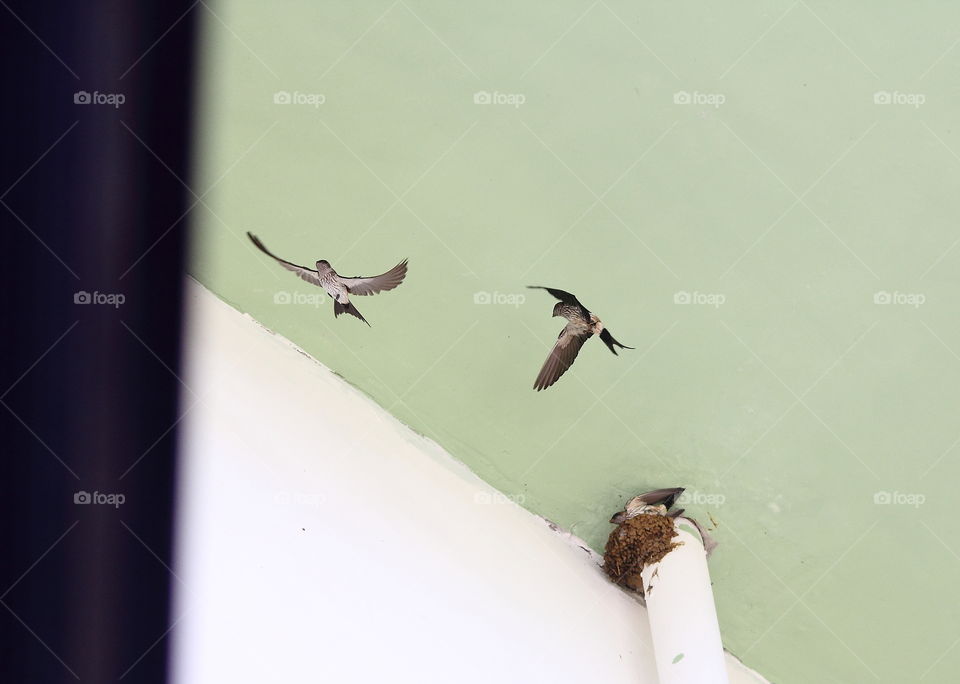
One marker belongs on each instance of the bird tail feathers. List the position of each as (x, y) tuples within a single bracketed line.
[(609, 340), (348, 308)]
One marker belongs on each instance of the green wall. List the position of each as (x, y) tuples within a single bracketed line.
[(783, 191)]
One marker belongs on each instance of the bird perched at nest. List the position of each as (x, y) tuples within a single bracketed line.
[(337, 286), (659, 502), (644, 535), (581, 326)]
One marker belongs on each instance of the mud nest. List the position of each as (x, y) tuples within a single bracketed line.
[(637, 542)]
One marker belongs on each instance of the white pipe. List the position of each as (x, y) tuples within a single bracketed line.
[(683, 618)]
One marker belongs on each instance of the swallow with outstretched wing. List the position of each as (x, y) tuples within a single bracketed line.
[(337, 286), (581, 325)]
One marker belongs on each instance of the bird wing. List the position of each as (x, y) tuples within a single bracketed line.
[(374, 284), (305, 273), (561, 356), (667, 497), (565, 297)]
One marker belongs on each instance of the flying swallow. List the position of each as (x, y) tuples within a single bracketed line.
[(581, 325), (337, 286)]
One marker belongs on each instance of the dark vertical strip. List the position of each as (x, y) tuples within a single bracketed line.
[(95, 138)]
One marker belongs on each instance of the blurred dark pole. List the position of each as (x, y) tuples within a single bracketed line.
[(97, 100)]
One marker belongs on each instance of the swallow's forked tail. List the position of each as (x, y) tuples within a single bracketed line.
[(608, 340), (349, 308)]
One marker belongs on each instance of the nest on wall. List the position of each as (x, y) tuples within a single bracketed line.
[(636, 543)]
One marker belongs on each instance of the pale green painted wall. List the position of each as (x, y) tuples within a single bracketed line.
[(797, 200)]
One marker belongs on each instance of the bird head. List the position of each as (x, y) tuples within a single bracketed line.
[(324, 263), (556, 309)]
